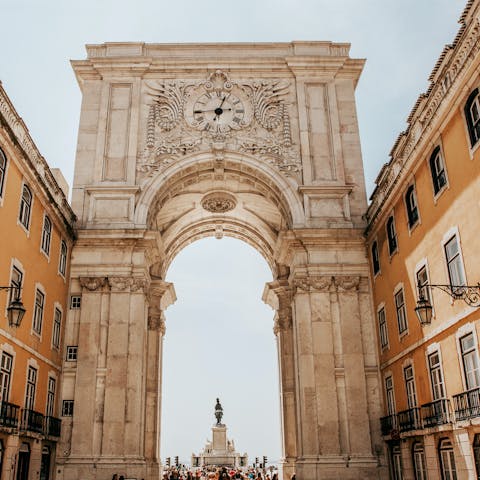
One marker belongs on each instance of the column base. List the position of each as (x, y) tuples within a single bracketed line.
[(333, 467), (90, 468)]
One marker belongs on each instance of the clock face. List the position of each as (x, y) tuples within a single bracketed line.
[(218, 111)]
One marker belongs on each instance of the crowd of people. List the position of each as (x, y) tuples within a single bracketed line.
[(218, 473)]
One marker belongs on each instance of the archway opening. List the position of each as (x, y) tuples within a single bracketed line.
[(220, 343)]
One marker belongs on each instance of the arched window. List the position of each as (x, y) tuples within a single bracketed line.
[(396, 456), (419, 463), (391, 236), (472, 116), (46, 234), (412, 207), (447, 460), (62, 263), (437, 169), (25, 207), (375, 258), (3, 169)]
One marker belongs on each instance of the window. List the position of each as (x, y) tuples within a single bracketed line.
[(390, 395), (382, 327), (46, 235), (401, 311), (31, 386), (57, 322), (75, 302), (397, 462), (447, 460), (470, 361), (3, 170), (25, 207), (5, 376), (476, 453), (375, 258), (422, 284), (50, 397), (436, 376), (67, 408), (412, 207), (419, 463), (62, 264), (38, 311), (472, 116), (71, 353), (410, 386), (437, 169), (16, 282), (454, 263), (391, 236)]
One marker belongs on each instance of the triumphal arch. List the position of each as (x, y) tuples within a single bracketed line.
[(254, 141)]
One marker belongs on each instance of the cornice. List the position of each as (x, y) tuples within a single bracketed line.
[(34, 161)]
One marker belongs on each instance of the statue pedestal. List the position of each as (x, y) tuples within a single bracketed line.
[(219, 440)]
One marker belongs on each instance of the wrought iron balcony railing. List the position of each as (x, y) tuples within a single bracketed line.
[(9, 415), (409, 419), (467, 404), (52, 426), (436, 413), (388, 424), (32, 421)]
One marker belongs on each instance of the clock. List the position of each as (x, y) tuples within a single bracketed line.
[(218, 111)]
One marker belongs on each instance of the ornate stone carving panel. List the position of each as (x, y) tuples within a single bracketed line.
[(185, 117)]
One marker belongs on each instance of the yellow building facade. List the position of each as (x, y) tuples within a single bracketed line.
[(423, 230), (37, 237)]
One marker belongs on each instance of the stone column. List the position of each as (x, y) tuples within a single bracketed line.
[(278, 295), (161, 295)]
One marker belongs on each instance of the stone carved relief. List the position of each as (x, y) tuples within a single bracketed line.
[(218, 202), (120, 284), (139, 285), (93, 283), (347, 283), (327, 283), (156, 323), (183, 118)]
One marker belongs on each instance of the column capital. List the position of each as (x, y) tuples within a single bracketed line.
[(279, 294)]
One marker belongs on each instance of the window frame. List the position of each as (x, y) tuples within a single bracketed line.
[(22, 209), (375, 258), (390, 402), (75, 302), (401, 308), (57, 327), (438, 368), (418, 453), (410, 386), (67, 408), (69, 356), (37, 323), (50, 402), (46, 234), (445, 446), (392, 238), (411, 207), (31, 387), (6, 375), (458, 255), (382, 327), (62, 259), (473, 351), (3, 174), (397, 465), (473, 128), (434, 174)]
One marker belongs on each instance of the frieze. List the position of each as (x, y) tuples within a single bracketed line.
[(347, 283), (120, 284), (156, 323), (93, 283), (139, 284), (185, 117), (312, 283)]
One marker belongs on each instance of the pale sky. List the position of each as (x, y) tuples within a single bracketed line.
[(219, 339)]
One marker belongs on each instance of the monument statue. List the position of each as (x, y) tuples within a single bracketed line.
[(218, 412)]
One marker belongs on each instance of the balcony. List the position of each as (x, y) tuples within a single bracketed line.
[(52, 426), (388, 424), (467, 404), (409, 419), (9, 415), (32, 421), (436, 413)]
